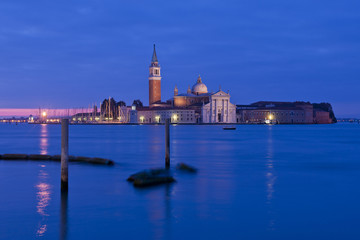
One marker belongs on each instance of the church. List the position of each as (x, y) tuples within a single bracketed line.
[(197, 105)]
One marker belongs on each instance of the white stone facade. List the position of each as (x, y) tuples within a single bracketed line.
[(219, 109)]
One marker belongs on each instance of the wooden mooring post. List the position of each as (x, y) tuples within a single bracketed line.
[(64, 154), (167, 143)]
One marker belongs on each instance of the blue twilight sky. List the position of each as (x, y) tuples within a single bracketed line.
[(63, 54)]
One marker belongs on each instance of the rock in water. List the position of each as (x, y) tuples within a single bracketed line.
[(94, 160), (39, 157), (148, 173), (15, 156), (151, 177), (185, 167), (151, 181)]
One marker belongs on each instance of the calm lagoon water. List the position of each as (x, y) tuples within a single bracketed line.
[(258, 182)]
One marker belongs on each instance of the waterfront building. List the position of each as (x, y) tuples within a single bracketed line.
[(321, 116), (159, 115), (281, 113)]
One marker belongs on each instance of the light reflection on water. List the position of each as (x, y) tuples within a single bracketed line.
[(43, 197), (270, 176), (43, 194), (44, 139)]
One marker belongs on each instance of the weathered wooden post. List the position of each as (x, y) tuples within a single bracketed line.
[(167, 143), (64, 154)]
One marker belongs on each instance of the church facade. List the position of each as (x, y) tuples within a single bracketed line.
[(219, 109), (197, 105)]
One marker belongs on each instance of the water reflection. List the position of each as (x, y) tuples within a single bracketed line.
[(168, 211), (63, 215), (160, 210), (270, 176), (270, 166), (44, 139), (43, 197), (155, 146)]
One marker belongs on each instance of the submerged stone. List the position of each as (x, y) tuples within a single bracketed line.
[(39, 157), (151, 177), (151, 181), (185, 167), (102, 161), (148, 173), (45, 157), (15, 156), (55, 157)]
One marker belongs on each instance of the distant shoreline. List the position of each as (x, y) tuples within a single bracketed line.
[(195, 124), (17, 121)]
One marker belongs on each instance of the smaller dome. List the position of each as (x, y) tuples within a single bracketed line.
[(199, 87)]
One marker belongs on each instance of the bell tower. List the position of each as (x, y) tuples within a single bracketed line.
[(154, 80), (176, 91)]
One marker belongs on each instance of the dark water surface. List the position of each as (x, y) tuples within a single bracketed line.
[(258, 182)]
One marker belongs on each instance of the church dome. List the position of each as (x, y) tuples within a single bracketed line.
[(199, 87)]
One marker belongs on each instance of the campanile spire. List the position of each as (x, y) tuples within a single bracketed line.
[(154, 80), (154, 57)]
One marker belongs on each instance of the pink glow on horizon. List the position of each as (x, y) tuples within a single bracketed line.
[(26, 112)]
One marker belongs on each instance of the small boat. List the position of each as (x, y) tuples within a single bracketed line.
[(270, 122), (229, 128)]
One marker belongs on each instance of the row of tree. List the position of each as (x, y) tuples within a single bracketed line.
[(111, 107)]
